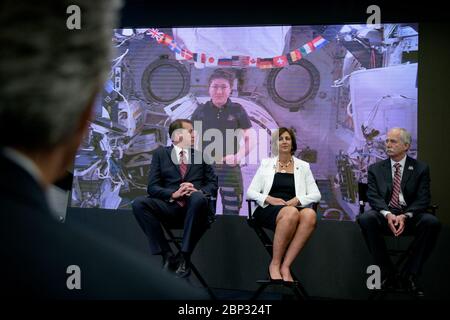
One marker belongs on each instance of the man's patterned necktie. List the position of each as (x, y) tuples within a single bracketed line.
[(183, 169), (395, 202)]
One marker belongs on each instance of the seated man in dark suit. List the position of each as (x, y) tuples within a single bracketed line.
[(50, 78), (179, 183), (399, 194)]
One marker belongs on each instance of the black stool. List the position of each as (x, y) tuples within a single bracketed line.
[(177, 239), (296, 287)]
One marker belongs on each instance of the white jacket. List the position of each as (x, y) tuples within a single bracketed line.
[(306, 189)]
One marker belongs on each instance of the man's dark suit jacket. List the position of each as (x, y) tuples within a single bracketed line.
[(36, 251), (165, 176), (415, 185)]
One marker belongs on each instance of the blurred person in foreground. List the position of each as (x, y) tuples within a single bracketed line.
[(49, 79)]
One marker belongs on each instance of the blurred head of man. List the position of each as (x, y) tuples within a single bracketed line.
[(182, 134), (50, 76), (220, 84), (398, 141)]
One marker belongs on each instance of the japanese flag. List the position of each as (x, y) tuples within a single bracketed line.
[(211, 61)]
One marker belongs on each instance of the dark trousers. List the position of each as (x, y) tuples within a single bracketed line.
[(231, 188), (193, 218), (424, 227)]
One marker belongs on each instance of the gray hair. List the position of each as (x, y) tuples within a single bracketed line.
[(48, 73), (405, 136)]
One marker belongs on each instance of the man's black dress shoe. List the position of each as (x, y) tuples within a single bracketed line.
[(391, 283), (410, 284), (184, 269), (169, 262)]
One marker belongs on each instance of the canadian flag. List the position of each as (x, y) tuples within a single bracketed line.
[(252, 62)]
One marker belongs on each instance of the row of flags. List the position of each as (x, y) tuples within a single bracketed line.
[(202, 59)]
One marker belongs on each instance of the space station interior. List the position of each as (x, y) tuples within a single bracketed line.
[(339, 99)]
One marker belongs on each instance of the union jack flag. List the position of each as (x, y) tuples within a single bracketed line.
[(156, 34)]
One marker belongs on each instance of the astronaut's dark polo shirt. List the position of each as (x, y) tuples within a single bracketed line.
[(230, 116)]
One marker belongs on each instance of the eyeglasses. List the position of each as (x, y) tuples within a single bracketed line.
[(216, 88)]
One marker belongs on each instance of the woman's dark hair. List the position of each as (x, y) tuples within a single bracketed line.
[(222, 74), (276, 135)]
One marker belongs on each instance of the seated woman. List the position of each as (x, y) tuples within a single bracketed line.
[(285, 189)]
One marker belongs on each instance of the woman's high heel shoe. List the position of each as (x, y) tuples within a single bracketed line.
[(274, 280)]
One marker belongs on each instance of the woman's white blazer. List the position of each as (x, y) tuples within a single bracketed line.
[(306, 189)]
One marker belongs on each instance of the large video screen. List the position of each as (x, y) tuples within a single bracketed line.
[(339, 87)]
